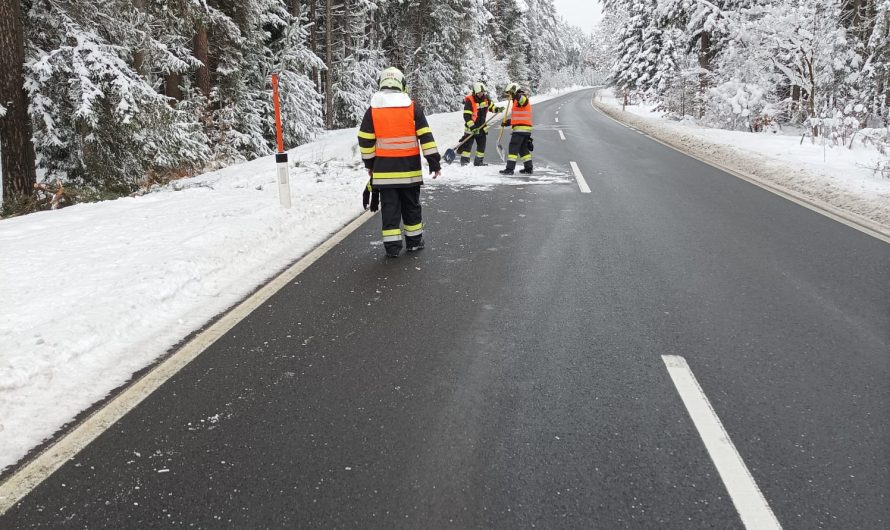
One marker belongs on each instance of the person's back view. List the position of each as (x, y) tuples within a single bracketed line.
[(392, 136)]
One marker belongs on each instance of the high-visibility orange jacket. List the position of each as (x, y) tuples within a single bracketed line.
[(521, 118), (392, 136), (476, 111)]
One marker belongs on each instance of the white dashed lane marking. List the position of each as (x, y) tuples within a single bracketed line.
[(746, 495), (580, 178)]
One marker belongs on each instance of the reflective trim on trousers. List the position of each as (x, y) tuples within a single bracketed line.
[(414, 230), (390, 236)]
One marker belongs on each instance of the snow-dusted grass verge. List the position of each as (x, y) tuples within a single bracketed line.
[(93, 293), (835, 178)]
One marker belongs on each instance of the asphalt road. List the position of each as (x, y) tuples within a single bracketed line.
[(511, 374)]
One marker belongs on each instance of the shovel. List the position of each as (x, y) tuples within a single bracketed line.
[(451, 153)]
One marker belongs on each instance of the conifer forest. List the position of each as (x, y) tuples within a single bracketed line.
[(111, 96)]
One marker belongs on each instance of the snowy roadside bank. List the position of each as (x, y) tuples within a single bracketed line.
[(836, 179), (96, 292)]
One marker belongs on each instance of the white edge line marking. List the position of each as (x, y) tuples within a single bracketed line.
[(866, 226), (562, 135), (747, 497), (46, 463), (580, 178), (557, 120)]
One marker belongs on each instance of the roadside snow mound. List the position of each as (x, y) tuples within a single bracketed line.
[(835, 178)]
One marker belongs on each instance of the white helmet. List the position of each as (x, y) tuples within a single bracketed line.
[(511, 89), (479, 88), (392, 78)]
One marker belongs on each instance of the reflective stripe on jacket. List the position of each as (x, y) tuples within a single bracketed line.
[(476, 112), (396, 134), (392, 136), (521, 120)]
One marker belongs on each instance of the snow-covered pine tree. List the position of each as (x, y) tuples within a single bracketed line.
[(645, 54), (544, 41), (359, 61), (90, 107), (301, 104), (263, 40), (878, 71)]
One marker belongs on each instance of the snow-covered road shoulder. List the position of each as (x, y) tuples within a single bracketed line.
[(835, 180)]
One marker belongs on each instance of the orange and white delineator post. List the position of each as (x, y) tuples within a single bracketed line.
[(281, 156)]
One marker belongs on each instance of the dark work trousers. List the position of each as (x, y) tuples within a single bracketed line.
[(466, 151), (519, 150), (401, 206)]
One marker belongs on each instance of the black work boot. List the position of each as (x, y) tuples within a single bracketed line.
[(479, 162), (464, 161), (511, 165), (527, 169), (413, 246), (393, 251)]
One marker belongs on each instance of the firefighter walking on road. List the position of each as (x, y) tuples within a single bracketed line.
[(393, 135), (521, 123), (477, 105)]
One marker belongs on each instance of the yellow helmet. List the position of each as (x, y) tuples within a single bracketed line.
[(392, 78)]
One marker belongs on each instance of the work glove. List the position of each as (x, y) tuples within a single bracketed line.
[(508, 123), (531, 145), (370, 197)]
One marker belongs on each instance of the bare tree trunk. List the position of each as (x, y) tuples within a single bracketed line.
[(172, 87), (811, 100), (139, 53), (795, 98), (16, 150), (296, 8), (704, 62), (313, 40), (329, 62), (201, 51)]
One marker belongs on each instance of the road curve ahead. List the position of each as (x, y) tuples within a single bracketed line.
[(676, 348)]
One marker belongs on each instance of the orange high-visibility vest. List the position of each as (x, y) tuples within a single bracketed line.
[(522, 116), (394, 128), (475, 106)]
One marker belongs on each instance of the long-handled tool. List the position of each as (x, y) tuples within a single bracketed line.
[(501, 133), (451, 153)]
